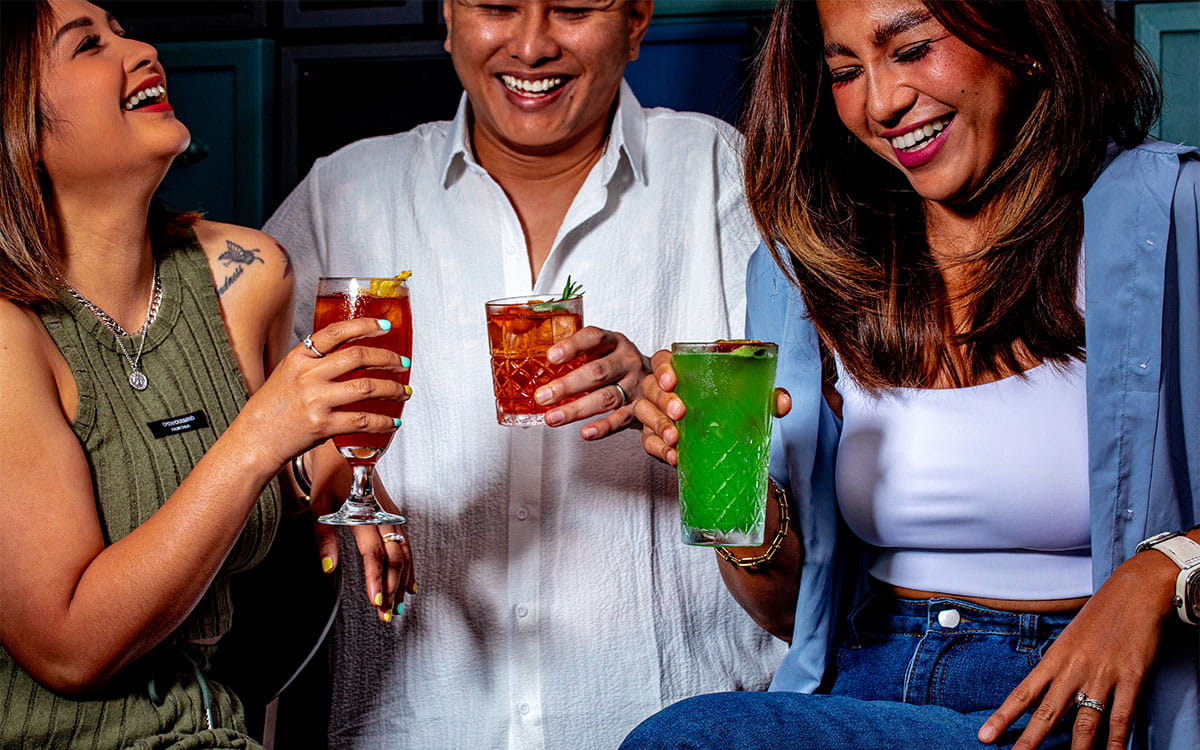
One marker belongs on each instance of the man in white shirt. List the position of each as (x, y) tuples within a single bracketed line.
[(556, 606)]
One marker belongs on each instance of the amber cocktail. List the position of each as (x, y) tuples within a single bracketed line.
[(520, 331), (345, 298)]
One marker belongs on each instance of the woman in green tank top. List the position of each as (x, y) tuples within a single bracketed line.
[(149, 402)]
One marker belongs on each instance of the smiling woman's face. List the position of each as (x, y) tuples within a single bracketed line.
[(90, 73), (917, 95)]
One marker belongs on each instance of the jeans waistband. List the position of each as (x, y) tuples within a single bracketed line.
[(958, 615)]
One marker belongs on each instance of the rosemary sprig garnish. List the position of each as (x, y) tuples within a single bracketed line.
[(572, 289)]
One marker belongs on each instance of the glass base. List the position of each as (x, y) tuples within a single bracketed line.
[(360, 514), (521, 420), (715, 538)]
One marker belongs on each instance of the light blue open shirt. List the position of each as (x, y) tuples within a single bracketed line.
[(1143, 399)]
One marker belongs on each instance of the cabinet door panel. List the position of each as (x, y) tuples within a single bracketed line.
[(222, 92)]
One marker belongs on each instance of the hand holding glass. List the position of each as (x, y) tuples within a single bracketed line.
[(724, 439), (345, 298)]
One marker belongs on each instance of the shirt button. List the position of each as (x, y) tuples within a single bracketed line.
[(522, 514), (949, 618), (523, 708), (522, 610)]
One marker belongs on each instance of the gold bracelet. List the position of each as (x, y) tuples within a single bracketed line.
[(752, 563)]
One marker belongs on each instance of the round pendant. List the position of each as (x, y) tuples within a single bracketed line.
[(138, 380)]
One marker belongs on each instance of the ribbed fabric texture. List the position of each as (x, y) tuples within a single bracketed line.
[(191, 367)]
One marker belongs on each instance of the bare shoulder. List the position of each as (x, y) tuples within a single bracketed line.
[(21, 333), (245, 262), (255, 287), (30, 364)]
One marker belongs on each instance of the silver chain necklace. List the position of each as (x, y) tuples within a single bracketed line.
[(137, 379)]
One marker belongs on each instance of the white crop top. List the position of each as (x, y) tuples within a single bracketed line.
[(978, 491)]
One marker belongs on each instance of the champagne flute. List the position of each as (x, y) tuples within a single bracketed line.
[(345, 298)]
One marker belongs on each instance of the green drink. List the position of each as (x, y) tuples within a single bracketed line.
[(724, 439)]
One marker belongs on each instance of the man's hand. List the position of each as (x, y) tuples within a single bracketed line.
[(608, 383)]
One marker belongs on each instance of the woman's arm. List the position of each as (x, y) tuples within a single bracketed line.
[(76, 611), (1104, 653), (768, 590), (255, 280)]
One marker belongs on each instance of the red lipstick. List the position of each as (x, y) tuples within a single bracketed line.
[(925, 154)]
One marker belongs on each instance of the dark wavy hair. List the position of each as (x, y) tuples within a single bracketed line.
[(849, 231)]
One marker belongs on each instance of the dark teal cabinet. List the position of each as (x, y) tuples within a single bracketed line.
[(1170, 32), (225, 93)]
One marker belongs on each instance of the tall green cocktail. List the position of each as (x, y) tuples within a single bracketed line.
[(724, 439)]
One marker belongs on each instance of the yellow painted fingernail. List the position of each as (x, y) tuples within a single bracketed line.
[(378, 600), (387, 616), (407, 389), (326, 564)]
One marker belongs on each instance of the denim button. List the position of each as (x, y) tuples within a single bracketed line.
[(949, 618)]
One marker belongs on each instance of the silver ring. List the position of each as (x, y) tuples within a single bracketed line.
[(620, 390), (308, 344), (1082, 701), (392, 536)]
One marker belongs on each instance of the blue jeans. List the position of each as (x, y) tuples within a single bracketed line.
[(910, 674)]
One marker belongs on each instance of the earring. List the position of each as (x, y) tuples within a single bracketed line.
[(1034, 70)]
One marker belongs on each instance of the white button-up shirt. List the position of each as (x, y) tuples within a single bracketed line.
[(556, 606)]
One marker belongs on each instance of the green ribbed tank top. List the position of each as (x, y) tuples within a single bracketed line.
[(191, 368)]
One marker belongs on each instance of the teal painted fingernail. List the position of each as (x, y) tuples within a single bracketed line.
[(385, 324), (405, 361), (395, 421), (399, 607)]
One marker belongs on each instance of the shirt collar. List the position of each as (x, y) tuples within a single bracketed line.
[(458, 144), (627, 140)]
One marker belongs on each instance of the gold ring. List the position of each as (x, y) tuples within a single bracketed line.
[(392, 536)]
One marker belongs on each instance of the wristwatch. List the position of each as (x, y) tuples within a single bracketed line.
[(1186, 554)]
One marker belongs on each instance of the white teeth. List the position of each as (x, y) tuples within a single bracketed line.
[(521, 86), (152, 92), (918, 136)]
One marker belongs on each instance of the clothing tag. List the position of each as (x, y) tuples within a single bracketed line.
[(175, 425)]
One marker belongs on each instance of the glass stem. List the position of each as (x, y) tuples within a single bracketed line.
[(362, 491)]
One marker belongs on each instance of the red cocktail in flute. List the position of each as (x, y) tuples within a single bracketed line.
[(345, 298)]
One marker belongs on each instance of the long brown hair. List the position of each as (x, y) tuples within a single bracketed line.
[(29, 264), (848, 229)]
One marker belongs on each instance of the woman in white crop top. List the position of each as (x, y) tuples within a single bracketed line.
[(958, 567)]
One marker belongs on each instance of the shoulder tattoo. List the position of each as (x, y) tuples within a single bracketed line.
[(287, 260), (239, 257)]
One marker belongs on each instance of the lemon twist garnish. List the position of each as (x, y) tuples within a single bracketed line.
[(392, 287)]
